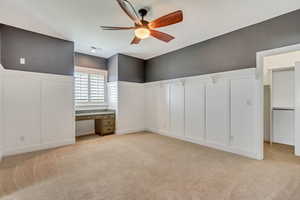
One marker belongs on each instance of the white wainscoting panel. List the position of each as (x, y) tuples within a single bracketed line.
[(131, 105), (1, 112), (112, 93), (163, 112), (151, 107), (38, 111), (195, 109), (177, 108), (243, 114), (217, 112), (22, 111), (58, 119), (297, 109)]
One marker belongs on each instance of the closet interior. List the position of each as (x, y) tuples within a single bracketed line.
[(280, 95)]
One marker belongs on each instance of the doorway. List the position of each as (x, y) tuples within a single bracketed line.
[(278, 72)]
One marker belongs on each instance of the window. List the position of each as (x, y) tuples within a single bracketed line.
[(90, 86)]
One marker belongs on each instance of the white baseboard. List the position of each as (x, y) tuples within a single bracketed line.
[(128, 131), (229, 149), (39, 147)]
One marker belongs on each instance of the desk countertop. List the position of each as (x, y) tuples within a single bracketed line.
[(94, 112)]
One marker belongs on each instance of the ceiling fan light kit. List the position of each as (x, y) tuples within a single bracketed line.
[(142, 33), (144, 29)]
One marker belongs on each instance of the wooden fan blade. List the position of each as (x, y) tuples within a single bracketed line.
[(132, 16), (136, 40), (161, 36), (116, 28), (172, 18)]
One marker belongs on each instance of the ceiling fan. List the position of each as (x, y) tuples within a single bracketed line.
[(144, 29)]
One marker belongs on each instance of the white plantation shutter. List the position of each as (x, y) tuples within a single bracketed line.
[(81, 87), (90, 86), (97, 88)]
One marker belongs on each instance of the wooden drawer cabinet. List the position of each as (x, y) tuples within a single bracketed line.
[(105, 126)]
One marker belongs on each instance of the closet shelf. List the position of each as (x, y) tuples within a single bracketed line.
[(283, 108)]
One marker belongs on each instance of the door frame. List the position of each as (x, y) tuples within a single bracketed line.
[(260, 76)]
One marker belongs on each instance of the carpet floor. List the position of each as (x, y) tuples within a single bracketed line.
[(146, 166)]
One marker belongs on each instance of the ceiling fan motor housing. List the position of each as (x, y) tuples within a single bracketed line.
[(143, 12)]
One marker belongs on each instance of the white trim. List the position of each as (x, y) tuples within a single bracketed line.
[(39, 147), (260, 75)]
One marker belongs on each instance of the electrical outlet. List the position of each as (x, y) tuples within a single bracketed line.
[(22, 61)]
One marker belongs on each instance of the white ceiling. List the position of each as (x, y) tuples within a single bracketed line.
[(79, 21)]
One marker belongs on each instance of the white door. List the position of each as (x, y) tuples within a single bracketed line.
[(195, 109), (217, 112), (243, 114), (177, 109)]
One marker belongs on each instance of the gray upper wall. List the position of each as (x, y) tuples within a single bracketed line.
[(84, 60), (232, 51), (0, 42), (126, 68), (112, 65), (42, 53), (131, 69)]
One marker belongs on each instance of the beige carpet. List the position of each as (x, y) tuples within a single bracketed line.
[(148, 166)]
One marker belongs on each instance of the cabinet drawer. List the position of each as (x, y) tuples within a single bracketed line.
[(108, 123), (106, 130)]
